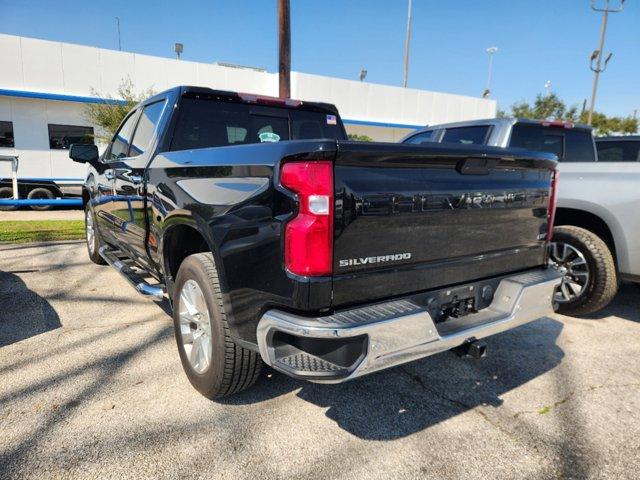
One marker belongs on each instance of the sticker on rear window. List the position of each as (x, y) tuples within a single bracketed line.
[(332, 120), (269, 137)]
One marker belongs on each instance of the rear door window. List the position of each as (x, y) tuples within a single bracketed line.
[(618, 151), (475, 135)]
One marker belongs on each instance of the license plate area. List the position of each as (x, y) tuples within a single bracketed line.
[(458, 301)]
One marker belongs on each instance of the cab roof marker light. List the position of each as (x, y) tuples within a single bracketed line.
[(267, 100), (557, 123)]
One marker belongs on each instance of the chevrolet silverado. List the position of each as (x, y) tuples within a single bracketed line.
[(277, 240)]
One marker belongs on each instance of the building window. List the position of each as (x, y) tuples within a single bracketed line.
[(61, 137), (6, 135)]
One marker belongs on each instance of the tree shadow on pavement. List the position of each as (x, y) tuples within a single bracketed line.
[(23, 313), (404, 400)]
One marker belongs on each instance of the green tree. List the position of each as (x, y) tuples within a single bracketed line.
[(359, 138), (552, 107), (108, 114)]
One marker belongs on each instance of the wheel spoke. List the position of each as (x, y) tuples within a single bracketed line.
[(565, 291), (575, 287), (188, 302), (195, 351), (195, 326), (577, 262), (187, 335)]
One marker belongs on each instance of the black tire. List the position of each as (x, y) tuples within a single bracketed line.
[(232, 368), (41, 194), (93, 245), (6, 193), (602, 284)]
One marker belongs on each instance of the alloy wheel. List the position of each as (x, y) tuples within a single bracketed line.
[(90, 231), (571, 262), (195, 326)]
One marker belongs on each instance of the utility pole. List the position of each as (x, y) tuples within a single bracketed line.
[(118, 25), (406, 48), (597, 54), (284, 49), (487, 91), (547, 88)]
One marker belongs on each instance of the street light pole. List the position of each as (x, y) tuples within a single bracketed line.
[(284, 49), (118, 25), (487, 91), (597, 54), (406, 48)]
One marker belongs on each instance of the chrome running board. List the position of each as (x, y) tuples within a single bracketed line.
[(134, 275)]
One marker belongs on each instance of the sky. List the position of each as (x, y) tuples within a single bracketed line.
[(538, 40)]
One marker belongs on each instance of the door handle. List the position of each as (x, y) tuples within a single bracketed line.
[(136, 179), (109, 175)]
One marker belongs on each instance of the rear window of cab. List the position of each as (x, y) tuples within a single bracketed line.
[(204, 123)]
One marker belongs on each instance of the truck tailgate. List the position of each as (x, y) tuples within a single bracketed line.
[(411, 218)]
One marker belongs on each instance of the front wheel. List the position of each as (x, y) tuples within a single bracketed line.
[(214, 364), (589, 279)]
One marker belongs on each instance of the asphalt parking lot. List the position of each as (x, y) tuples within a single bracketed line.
[(91, 387)]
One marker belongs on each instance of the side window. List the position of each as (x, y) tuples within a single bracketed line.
[(476, 135), (422, 137), (146, 127), (122, 139), (62, 136), (578, 146), (6, 135), (623, 151)]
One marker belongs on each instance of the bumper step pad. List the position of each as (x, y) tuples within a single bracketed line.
[(305, 362)]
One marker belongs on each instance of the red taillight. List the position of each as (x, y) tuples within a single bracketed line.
[(553, 198), (308, 241)]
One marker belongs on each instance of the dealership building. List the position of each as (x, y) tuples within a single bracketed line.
[(45, 86)]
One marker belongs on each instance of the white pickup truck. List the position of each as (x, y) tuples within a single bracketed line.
[(596, 242)]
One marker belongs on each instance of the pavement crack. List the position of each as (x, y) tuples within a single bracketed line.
[(547, 408)]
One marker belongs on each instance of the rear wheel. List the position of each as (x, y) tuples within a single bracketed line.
[(214, 364), (92, 237), (6, 193), (589, 279), (40, 194)]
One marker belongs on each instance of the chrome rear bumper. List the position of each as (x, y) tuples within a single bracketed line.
[(394, 332)]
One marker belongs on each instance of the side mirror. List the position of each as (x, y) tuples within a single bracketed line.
[(84, 153)]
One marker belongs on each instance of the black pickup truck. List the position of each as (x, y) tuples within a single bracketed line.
[(278, 240)]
